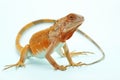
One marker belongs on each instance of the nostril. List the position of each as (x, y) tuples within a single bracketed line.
[(82, 18)]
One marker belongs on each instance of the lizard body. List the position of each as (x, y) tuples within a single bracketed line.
[(51, 39)]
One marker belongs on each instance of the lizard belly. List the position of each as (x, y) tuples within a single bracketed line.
[(59, 46), (41, 54)]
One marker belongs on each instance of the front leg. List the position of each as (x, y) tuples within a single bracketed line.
[(21, 61), (69, 57), (50, 59)]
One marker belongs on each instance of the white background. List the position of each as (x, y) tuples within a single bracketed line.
[(102, 23)]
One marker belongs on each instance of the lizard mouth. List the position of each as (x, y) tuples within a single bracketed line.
[(73, 28)]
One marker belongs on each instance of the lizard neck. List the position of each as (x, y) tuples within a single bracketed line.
[(65, 36)]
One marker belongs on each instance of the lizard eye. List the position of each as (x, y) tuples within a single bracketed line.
[(71, 17)]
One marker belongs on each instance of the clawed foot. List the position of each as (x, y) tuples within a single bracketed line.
[(62, 68), (19, 64), (76, 64)]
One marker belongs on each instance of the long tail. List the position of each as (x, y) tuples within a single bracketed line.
[(103, 54), (29, 25)]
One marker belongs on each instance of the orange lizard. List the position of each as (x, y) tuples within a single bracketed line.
[(52, 39)]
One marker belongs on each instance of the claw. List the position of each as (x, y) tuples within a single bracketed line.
[(9, 66), (62, 68), (19, 64), (76, 64)]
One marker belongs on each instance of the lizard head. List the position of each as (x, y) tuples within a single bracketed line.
[(68, 25), (72, 22)]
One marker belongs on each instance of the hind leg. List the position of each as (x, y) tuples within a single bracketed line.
[(21, 61)]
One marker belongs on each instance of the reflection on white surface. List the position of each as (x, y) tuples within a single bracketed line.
[(101, 23)]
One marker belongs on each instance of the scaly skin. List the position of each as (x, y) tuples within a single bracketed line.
[(48, 39)]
